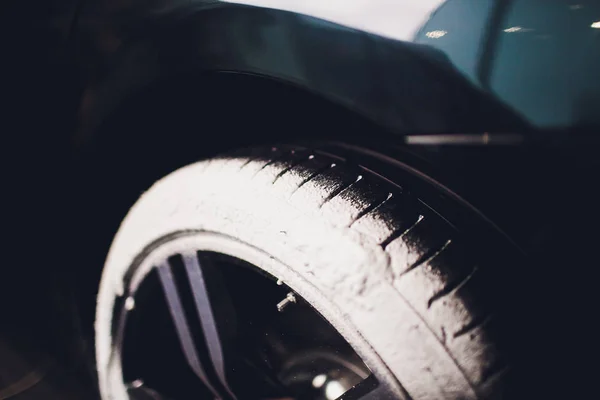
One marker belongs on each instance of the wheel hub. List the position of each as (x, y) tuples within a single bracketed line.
[(201, 324)]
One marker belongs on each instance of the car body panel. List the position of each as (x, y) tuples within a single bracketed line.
[(399, 19), (538, 56), (404, 87), (352, 52)]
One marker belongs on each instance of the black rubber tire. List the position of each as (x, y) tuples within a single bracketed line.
[(404, 265)]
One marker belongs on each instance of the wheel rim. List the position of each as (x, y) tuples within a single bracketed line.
[(200, 322)]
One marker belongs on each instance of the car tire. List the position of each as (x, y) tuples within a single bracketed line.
[(404, 281)]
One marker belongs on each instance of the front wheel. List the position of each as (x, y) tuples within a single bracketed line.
[(289, 273)]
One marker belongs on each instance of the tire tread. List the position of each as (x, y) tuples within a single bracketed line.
[(398, 221)]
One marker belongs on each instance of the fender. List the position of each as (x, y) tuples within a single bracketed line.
[(402, 86), (400, 20)]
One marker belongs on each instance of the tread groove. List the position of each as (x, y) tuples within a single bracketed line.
[(399, 233), (371, 208), (472, 325), (264, 166), (451, 288), (427, 256), (313, 176), (271, 162), (256, 157), (286, 170), (446, 348), (498, 369), (339, 190), (248, 162)]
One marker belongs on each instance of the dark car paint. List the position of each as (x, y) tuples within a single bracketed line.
[(403, 87)]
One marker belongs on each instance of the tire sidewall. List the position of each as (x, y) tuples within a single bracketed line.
[(344, 273)]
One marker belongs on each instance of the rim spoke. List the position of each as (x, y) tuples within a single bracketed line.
[(220, 331), (207, 317), (181, 325)]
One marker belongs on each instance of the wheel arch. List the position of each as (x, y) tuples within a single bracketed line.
[(400, 86), (292, 50)]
